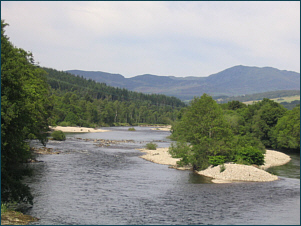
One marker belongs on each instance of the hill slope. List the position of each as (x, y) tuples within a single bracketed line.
[(237, 80)]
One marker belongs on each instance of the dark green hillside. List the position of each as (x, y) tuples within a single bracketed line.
[(84, 102), (115, 80), (66, 81)]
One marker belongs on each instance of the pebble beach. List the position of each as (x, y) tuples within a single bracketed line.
[(231, 173), (73, 129)]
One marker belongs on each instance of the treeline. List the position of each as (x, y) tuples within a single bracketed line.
[(208, 133), (290, 105), (260, 96), (83, 102)]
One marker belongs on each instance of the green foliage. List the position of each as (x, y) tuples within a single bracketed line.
[(72, 118), (4, 208), (237, 133), (217, 160), (58, 135), (132, 129), (25, 109), (234, 105), (205, 128), (151, 146), (82, 102), (202, 119), (266, 115), (290, 105), (249, 155), (286, 134), (222, 168), (181, 150)]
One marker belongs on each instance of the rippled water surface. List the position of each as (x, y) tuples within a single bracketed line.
[(87, 184)]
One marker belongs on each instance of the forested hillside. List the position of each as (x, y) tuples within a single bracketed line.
[(84, 102)]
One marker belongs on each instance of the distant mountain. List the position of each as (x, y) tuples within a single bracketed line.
[(237, 80)]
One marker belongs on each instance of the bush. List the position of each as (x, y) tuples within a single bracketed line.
[(151, 146), (64, 123), (179, 150), (58, 135), (249, 155), (222, 168), (217, 160), (132, 129)]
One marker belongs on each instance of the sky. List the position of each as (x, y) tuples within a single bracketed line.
[(167, 38)]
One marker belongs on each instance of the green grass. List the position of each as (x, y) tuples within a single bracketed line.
[(4, 208), (151, 146)]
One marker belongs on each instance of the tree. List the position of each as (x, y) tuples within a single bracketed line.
[(25, 109), (286, 134), (265, 117), (204, 127)]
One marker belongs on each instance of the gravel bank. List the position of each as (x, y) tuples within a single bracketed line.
[(71, 129), (161, 156), (236, 172), (232, 172), (274, 158), (163, 128)]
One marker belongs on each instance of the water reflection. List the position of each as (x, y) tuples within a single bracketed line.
[(289, 170), (195, 178)]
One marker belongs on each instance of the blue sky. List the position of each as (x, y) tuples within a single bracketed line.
[(178, 38)]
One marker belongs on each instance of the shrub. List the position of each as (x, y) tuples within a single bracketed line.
[(132, 129), (151, 146), (4, 208), (217, 160), (58, 135), (222, 168), (250, 155), (64, 123), (179, 150)]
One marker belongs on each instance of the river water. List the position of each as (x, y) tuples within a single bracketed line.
[(91, 185)]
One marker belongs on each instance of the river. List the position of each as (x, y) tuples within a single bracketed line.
[(90, 185)]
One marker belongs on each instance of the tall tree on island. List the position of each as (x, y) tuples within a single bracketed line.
[(25, 109), (204, 127)]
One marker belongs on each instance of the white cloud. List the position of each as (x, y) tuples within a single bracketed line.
[(164, 38)]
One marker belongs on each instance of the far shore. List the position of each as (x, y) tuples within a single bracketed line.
[(232, 173), (163, 128), (73, 129)]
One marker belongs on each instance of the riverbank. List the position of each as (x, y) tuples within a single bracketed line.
[(231, 172), (163, 128), (161, 156), (73, 129), (10, 217)]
